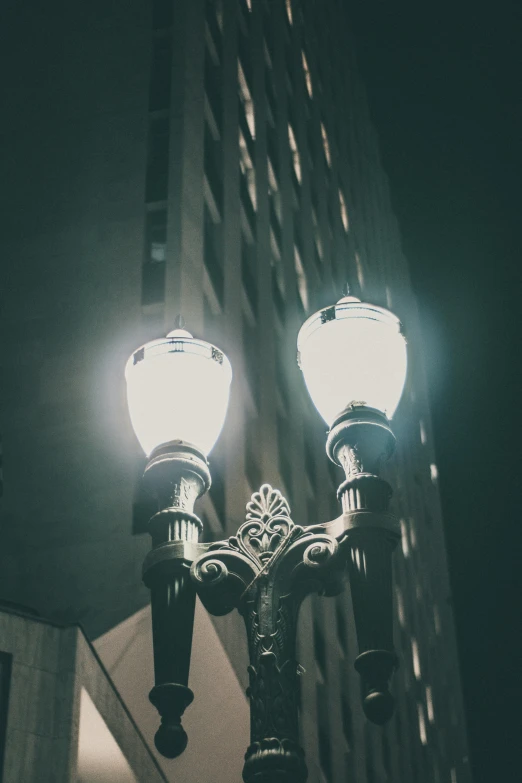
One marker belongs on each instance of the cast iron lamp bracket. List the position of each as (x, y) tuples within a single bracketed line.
[(265, 571), (179, 386)]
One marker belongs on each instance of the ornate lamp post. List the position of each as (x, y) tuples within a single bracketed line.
[(353, 358)]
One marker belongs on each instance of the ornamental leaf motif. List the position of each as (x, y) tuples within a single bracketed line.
[(267, 525), (267, 503)]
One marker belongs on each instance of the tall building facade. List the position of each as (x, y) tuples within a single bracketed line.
[(214, 159)]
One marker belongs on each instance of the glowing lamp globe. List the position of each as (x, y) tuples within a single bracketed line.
[(353, 352), (177, 390)]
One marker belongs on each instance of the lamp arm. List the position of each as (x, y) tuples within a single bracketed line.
[(177, 474), (360, 441)]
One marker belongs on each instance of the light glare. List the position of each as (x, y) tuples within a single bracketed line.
[(178, 394), (358, 356)]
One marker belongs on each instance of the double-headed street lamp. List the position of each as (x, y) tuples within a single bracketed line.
[(353, 358)]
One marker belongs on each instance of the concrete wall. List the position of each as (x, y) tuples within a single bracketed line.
[(54, 674), (217, 721)]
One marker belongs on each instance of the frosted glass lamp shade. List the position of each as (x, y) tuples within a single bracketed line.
[(353, 352), (178, 389)]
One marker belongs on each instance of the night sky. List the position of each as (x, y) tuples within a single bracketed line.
[(444, 91)]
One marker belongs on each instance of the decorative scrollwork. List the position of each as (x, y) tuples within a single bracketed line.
[(320, 552), (210, 572)]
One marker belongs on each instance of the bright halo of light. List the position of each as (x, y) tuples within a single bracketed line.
[(178, 389), (353, 352)]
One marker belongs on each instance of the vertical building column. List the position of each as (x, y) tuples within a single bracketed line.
[(283, 35), (265, 321), (234, 432), (184, 271)]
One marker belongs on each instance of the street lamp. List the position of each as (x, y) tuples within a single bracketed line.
[(353, 358)]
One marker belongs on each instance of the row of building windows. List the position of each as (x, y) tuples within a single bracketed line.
[(249, 193)]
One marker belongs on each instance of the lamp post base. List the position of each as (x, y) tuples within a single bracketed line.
[(275, 761)]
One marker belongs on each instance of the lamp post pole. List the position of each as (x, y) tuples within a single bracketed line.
[(272, 563)]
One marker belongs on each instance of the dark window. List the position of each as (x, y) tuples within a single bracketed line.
[(245, 130), (245, 10), (277, 294), (245, 59), (300, 305), (153, 271), (270, 98), (213, 254), (298, 234), (213, 91), (156, 236), (214, 167), (271, 141), (267, 26), (248, 259), (246, 202), (158, 160), (160, 78), (318, 261), (275, 225), (214, 26), (289, 63)]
